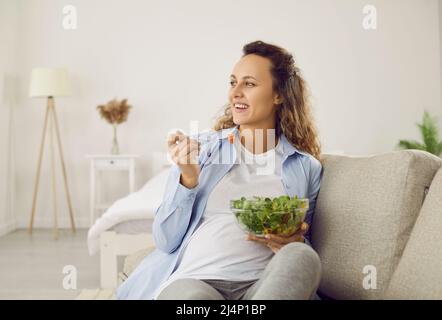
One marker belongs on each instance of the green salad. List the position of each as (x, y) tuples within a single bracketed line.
[(262, 215)]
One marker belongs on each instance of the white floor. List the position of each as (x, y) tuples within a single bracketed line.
[(31, 266)]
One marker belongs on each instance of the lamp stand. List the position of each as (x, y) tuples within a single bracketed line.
[(53, 125)]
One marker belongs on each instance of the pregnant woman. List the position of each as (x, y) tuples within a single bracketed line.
[(264, 144)]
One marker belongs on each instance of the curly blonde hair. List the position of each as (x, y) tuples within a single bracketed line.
[(294, 116)]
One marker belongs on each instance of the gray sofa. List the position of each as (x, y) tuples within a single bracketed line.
[(370, 223), (377, 227)]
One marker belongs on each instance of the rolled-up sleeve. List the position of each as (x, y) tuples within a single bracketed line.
[(173, 216)]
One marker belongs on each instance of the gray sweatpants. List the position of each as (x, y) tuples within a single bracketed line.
[(293, 273)]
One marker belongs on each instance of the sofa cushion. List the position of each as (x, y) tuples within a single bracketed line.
[(419, 273), (366, 208)]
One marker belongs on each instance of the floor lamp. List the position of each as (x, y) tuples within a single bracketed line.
[(50, 83)]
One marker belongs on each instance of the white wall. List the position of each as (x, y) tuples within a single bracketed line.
[(172, 60), (8, 51)]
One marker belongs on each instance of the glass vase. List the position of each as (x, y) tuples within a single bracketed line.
[(115, 149)]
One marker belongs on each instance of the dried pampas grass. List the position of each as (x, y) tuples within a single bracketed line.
[(115, 112)]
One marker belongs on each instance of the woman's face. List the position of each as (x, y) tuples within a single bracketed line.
[(251, 95)]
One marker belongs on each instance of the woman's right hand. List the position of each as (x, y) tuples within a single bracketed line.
[(185, 153)]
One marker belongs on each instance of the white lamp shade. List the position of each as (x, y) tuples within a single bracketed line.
[(47, 82)]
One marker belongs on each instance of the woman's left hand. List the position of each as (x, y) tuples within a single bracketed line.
[(276, 242)]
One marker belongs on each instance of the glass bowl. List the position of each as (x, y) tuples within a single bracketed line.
[(262, 215)]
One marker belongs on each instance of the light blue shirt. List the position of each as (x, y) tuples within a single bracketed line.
[(181, 210)]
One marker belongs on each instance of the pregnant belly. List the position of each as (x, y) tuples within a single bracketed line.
[(220, 245)]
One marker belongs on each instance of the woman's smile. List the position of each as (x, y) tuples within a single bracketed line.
[(240, 107)]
